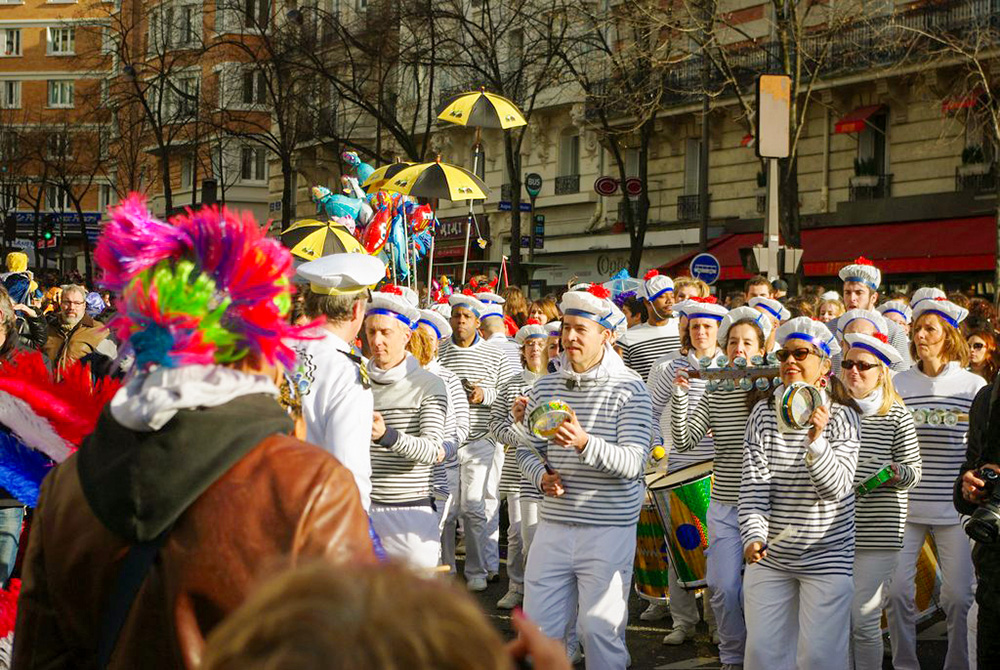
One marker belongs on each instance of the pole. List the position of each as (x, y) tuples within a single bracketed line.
[(476, 150), (771, 237), (430, 252), (703, 164), (531, 238)]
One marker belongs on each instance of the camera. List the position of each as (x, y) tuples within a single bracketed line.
[(984, 525)]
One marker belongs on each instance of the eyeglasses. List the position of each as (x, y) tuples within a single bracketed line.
[(978, 345), (860, 365), (798, 354), (69, 303)]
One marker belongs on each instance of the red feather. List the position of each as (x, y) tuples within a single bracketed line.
[(710, 300), (884, 339), (468, 291), (532, 322), (510, 324), (391, 288), (493, 284), (861, 260), (652, 273), (941, 299), (599, 291)]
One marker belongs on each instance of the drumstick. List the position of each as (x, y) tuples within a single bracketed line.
[(543, 459), (789, 533)]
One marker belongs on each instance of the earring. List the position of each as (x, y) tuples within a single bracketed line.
[(822, 382)]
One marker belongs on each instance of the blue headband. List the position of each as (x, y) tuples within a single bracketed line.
[(388, 312), (861, 280), (593, 317), (466, 307), (901, 313), (873, 351), (433, 327), (952, 322), (657, 295), (704, 316), (767, 308), (536, 336), (809, 338)]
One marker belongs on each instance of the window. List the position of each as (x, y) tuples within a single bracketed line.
[(105, 91), (253, 164), (187, 171), (185, 95), (257, 12), (254, 87), (61, 92), (515, 49), (56, 198), (10, 95), (105, 197), (186, 24), (569, 155), (62, 41), (692, 167), (108, 45), (872, 144), (12, 42), (9, 144), (59, 145)]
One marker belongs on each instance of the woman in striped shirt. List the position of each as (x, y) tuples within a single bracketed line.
[(940, 391), (743, 332), (798, 590), (888, 438)]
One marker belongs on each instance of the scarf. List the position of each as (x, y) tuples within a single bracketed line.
[(393, 374), (871, 403), (595, 377)]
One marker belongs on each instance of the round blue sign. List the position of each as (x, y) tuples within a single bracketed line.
[(706, 267)]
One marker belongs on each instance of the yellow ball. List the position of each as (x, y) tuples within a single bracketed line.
[(659, 452)]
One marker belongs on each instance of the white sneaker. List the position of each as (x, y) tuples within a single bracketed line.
[(476, 584), (655, 612), (675, 637), (510, 600)]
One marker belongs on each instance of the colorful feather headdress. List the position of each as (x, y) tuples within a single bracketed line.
[(44, 420), (207, 287)]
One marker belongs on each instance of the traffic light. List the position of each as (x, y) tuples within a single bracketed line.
[(49, 231)]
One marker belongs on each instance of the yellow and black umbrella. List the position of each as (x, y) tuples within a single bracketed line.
[(310, 239), (438, 180), (480, 109), (381, 175)]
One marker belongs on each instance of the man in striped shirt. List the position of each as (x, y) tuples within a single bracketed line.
[(485, 371), (644, 344), (583, 549), (493, 328)]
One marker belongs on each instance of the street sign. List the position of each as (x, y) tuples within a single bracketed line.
[(706, 267), (533, 184), (606, 186), (633, 187), (774, 99), (505, 206), (525, 241)]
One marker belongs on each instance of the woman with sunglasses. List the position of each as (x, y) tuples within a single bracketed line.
[(983, 358), (797, 591), (939, 390), (743, 332), (888, 438)]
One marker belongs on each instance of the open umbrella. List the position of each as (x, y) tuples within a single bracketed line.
[(480, 109), (438, 180), (381, 175), (310, 239)]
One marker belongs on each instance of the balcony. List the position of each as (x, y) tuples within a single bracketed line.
[(631, 204), (870, 187), (505, 192), (689, 207), (976, 178), (568, 184)]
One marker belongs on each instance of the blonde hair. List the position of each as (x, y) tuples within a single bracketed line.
[(324, 617), (683, 282), (890, 395), (836, 303), (955, 347), (421, 346)]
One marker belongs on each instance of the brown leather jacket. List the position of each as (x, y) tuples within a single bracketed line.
[(63, 348), (284, 501)]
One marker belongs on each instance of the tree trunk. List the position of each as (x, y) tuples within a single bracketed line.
[(87, 259), (515, 270), (287, 175), (168, 193)]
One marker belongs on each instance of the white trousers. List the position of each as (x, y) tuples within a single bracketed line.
[(529, 522), (957, 594), (796, 621), (449, 518), (515, 546), (491, 552), (589, 566), (973, 633), (475, 460), (725, 580), (873, 571), (410, 534)]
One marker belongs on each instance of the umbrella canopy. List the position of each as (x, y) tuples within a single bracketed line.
[(381, 175), (438, 180), (310, 239), (482, 110)]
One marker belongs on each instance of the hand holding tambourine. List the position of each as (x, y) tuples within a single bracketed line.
[(820, 417)]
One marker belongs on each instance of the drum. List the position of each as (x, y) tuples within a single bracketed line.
[(547, 417), (650, 566), (682, 499)]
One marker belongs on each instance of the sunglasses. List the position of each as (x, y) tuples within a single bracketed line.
[(797, 354), (860, 365), (978, 345)]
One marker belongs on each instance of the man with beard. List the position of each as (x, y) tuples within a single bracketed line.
[(73, 334)]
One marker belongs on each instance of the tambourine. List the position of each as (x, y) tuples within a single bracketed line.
[(547, 417), (939, 417), (872, 482), (798, 403)]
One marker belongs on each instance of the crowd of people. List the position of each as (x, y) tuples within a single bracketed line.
[(272, 416)]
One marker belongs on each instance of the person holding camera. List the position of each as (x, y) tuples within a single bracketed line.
[(939, 390)]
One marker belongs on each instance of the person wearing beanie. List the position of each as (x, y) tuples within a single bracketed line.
[(642, 345)]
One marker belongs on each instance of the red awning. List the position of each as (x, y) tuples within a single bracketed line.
[(945, 245), (747, 140), (965, 102), (856, 121)]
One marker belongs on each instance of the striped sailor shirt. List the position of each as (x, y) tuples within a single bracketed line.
[(643, 344), (484, 365)]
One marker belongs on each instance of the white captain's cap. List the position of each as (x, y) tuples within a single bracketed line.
[(862, 271), (436, 322), (814, 332), (389, 301), (593, 304), (468, 302), (875, 318), (654, 285), (829, 295), (770, 306), (553, 328), (896, 307), (742, 313), (878, 346), (944, 308), (442, 308), (702, 308), (530, 330), (341, 274), (411, 296), (492, 304), (926, 293)]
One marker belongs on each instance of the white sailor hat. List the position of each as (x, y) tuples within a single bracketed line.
[(591, 304), (341, 274), (436, 322), (946, 309), (679, 307), (742, 313), (411, 296), (862, 271), (703, 308), (829, 295), (896, 307), (389, 301), (530, 330), (876, 346), (875, 318), (926, 293), (770, 306), (442, 308), (553, 328), (654, 285), (492, 304), (810, 330), (468, 302), (618, 320)]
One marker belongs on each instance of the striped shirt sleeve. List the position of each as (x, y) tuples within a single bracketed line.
[(832, 457), (530, 464), (906, 452), (687, 432), (424, 447), (755, 491), (501, 418), (660, 392)]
